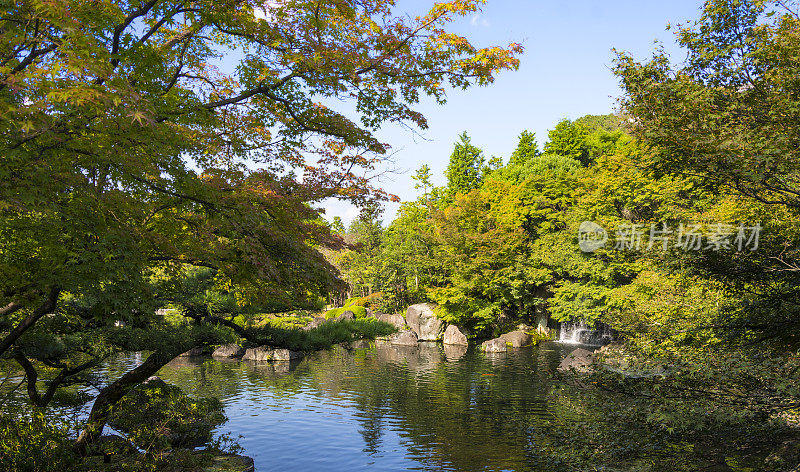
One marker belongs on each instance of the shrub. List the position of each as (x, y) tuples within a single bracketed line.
[(321, 337), (29, 442), (157, 416), (367, 301), (358, 311)]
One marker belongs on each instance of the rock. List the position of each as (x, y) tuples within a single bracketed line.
[(154, 380), (193, 352), (421, 319), (517, 338), (267, 353), (404, 338), (228, 351), (286, 355), (580, 359), (315, 322), (393, 319), (260, 353), (494, 345), (230, 463), (347, 315), (453, 335)]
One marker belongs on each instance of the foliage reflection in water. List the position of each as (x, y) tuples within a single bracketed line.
[(386, 407)]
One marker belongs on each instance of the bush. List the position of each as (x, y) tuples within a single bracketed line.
[(367, 301), (158, 416), (322, 337), (358, 311), (31, 443)]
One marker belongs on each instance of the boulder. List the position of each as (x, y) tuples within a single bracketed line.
[(316, 322), (453, 335), (228, 351), (286, 355), (579, 359), (421, 319), (404, 338), (517, 338), (155, 380), (267, 353), (347, 315), (393, 319), (193, 352), (494, 345)]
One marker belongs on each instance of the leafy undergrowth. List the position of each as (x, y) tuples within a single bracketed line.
[(321, 337), (358, 311)]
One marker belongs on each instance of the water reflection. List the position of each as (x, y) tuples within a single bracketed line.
[(383, 407)]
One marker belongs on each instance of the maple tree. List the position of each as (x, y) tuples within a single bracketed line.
[(148, 136)]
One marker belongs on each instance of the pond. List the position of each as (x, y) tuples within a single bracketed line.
[(385, 407)]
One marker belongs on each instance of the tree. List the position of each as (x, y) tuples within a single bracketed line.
[(337, 226), (126, 151), (527, 149), (568, 139), (730, 114), (465, 170), (423, 179)]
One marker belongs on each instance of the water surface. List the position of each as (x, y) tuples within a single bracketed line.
[(387, 407)]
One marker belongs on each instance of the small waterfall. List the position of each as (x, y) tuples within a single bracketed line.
[(578, 332)]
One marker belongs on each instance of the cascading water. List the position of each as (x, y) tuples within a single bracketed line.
[(578, 332)]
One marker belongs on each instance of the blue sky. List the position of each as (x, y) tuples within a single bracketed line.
[(564, 73)]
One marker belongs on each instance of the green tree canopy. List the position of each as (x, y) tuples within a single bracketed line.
[(527, 149), (465, 169), (128, 151)]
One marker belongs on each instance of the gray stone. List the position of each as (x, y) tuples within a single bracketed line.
[(316, 322), (580, 359), (395, 320), (260, 353), (453, 335), (193, 352), (286, 355), (155, 380), (404, 338), (517, 338), (347, 315), (267, 353), (494, 345), (421, 319), (228, 351)]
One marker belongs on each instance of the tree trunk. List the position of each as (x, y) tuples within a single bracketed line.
[(47, 307), (113, 393)]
